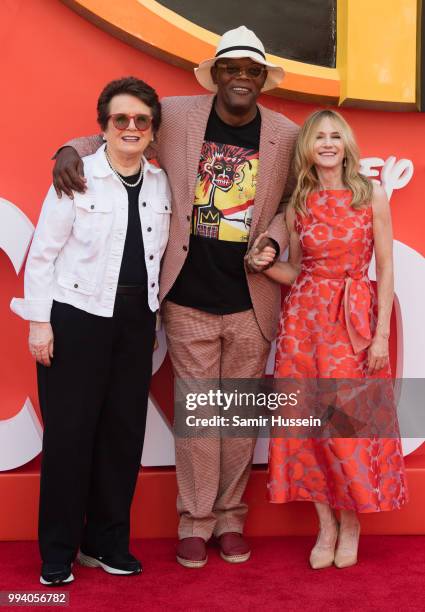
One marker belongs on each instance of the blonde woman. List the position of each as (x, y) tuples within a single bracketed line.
[(336, 218)]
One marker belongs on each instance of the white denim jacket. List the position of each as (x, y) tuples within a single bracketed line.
[(76, 253)]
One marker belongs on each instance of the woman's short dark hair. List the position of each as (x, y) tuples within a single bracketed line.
[(133, 87)]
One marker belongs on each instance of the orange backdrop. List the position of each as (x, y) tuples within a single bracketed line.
[(54, 64)]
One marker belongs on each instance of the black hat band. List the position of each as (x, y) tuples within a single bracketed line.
[(242, 48)]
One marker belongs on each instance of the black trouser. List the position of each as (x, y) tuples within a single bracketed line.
[(94, 402)]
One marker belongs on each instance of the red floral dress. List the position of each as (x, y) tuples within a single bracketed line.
[(326, 325)]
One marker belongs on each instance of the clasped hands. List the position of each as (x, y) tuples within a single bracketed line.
[(262, 255)]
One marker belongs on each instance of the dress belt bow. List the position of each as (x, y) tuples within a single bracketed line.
[(353, 303)]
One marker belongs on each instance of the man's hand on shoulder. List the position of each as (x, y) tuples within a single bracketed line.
[(68, 173)]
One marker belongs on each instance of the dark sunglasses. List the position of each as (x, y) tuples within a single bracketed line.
[(252, 72), (121, 121)]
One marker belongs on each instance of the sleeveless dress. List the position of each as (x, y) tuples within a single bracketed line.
[(327, 322)]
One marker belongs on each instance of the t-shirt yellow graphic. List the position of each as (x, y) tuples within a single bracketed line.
[(225, 192)]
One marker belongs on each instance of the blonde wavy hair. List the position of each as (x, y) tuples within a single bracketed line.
[(308, 181)]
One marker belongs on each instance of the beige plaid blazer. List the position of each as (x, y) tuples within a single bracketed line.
[(180, 139)]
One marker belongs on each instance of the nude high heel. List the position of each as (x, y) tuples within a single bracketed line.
[(323, 555), (348, 543)]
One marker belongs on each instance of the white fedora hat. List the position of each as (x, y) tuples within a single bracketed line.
[(237, 44)]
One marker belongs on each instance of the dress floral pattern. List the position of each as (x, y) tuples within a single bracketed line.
[(326, 325)]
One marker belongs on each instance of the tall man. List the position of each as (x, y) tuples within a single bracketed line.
[(227, 161)]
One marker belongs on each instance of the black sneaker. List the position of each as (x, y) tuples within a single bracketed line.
[(55, 574), (122, 564)]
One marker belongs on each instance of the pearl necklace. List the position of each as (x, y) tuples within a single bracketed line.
[(120, 177)]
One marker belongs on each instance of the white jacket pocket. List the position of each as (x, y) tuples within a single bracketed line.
[(74, 283)]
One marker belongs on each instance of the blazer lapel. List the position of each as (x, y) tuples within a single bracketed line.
[(196, 126), (267, 158)]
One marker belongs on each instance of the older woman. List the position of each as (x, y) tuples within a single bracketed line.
[(331, 327), (91, 294)]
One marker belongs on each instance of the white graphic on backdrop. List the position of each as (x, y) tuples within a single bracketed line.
[(158, 448), (15, 235), (21, 438), (21, 435), (16, 231), (393, 174), (408, 265)]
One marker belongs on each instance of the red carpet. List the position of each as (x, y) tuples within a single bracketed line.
[(389, 576)]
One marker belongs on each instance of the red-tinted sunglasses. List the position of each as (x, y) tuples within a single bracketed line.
[(121, 121)]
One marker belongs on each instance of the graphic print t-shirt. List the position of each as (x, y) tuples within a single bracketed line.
[(213, 277)]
